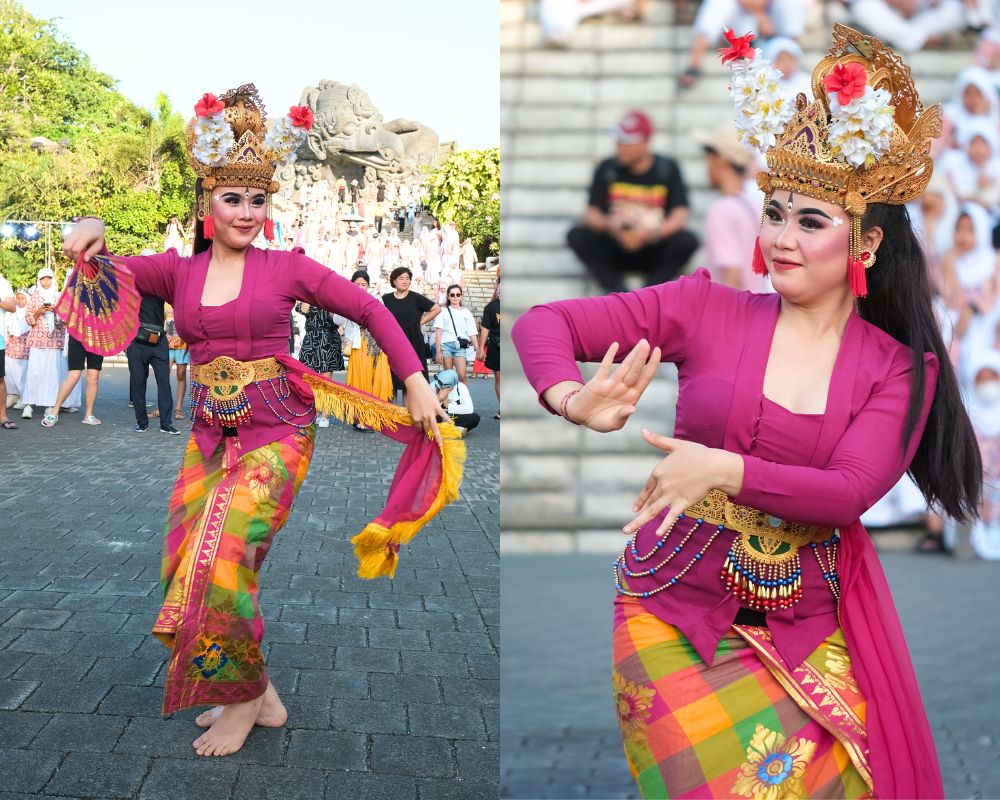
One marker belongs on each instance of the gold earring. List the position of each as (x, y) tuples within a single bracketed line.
[(868, 258)]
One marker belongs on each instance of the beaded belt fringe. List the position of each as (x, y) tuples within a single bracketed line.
[(217, 388), (762, 567)]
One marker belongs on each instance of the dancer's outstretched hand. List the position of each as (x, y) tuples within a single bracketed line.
[(608, 399), (423, 405), (87, 237)]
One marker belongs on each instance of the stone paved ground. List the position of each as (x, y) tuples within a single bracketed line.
[(559, 732), (392, 687)]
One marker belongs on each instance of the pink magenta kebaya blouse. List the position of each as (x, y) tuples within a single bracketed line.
[(821, 469), (256, 325)]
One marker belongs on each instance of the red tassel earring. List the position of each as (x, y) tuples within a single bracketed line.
[(269, 229), (209, 226), (758, 265), (856, 274)]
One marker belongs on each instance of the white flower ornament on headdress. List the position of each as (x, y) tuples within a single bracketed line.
[(762, 105), (860, 117), (213, 136)]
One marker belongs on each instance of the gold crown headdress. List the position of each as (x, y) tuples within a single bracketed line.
[(865, 138), (229, 145)]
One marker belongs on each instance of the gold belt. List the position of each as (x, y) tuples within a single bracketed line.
[(762, 567), (217, 387), (718, 509), (225, 372)]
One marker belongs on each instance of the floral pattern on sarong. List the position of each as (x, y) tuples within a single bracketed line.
[(634, 704), (266, 472), (774, 767)]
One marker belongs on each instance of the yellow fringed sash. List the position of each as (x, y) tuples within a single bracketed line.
[(377, 547)]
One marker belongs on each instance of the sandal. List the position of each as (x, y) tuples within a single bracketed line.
[(90, 419), (688, 78), (178, 414), (49, 420), (7, 425)]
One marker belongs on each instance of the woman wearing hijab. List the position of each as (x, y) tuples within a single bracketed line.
[(983, 402), (367, 367), (16, 352), (46, 363), (971, 262), (973, 100), (973, 170)]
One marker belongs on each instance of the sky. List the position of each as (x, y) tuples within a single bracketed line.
[(434, 61)]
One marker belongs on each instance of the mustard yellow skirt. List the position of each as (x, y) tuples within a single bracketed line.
[(369, 374)]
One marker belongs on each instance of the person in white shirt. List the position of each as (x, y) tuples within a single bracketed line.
[(454, 396), (455, 334)]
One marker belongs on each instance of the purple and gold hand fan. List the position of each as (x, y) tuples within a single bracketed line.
[(100, 305)]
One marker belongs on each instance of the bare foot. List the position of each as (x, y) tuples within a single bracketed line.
[(230, 731), (272, 712)]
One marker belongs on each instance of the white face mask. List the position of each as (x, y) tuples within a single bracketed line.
[(988, 392)]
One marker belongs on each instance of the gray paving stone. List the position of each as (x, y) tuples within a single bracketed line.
[(336, 635), (367, 786), (17, 729), (267, 783), (459, 789), (474, 691), (416, 663), (327, 750), (368, 716), (14, 692), (107, 600), (300, 656), (479, 761), (171, 779), (90, 733), (40, 619), (484, 666), (450, 722), (27, 771), (96, 622), (367, 660), (412, 755), (135, 701), (54, 642), (412, 688), (98, 774), (51, 695)]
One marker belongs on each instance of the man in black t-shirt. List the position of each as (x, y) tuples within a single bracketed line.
[(636, 213), (489, 339)]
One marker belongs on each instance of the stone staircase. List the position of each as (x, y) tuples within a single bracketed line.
[(566, 488)]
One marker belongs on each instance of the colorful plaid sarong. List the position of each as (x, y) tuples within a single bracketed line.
[(747, 726), (223, 515)]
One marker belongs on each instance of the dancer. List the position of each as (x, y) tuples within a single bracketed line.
[(253, 408), (756, 649)]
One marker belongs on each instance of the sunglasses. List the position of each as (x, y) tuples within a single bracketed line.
[(454, 295)]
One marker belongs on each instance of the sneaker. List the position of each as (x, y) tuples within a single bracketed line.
[(170, 429), (323, 422), (90, 419), (26, 414), (139, 428)]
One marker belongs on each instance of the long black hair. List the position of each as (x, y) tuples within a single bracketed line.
[(947, 466)]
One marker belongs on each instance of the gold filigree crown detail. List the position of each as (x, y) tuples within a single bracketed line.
[(241, 157), (803, 160)]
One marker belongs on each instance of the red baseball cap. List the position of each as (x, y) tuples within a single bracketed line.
[(635, 126)]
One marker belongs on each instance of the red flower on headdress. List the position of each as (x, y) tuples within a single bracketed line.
[(739, 47), (301, 116), (208, 105), (847, 81)]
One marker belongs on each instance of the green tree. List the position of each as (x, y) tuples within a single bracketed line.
[(466, 189), (70, 144)]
